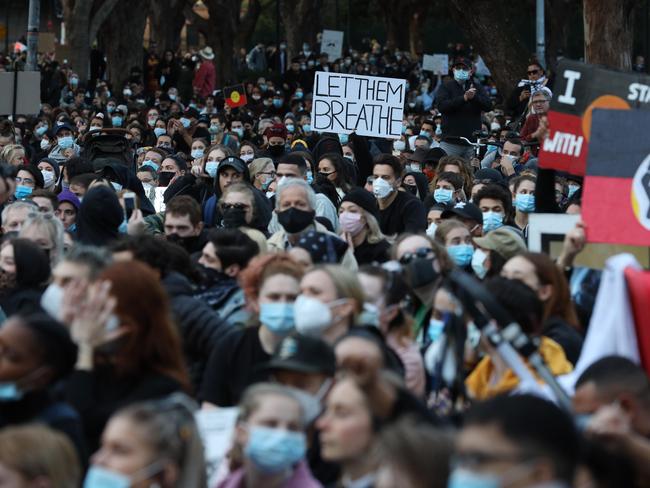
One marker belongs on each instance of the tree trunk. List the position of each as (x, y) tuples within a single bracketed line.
[(493, 36), (557, 28), (397, 16), (301, 20), (223, 25), (122, 36), (167, 21), (416, 22), (83, 18), (609, 32), (247, 25)]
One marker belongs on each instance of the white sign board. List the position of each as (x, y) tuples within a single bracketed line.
[(367, 105), (28, 93), (438, 64), (217, 427), (159, 199), (481, 67), (332, 44)]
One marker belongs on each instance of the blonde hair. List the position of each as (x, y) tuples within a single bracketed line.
[(445, 227), (10, 151), (374, 232), (37, 451), (346, 283), (257, 165)]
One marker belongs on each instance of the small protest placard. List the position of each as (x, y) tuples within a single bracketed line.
[(367, 105), (216, 427), (438, 64), (332, 44)]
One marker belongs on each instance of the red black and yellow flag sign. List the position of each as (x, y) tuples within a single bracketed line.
[(616, 198), (235, 96)]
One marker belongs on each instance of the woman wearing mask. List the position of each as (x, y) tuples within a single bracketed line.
[(28, 179), (247, 152), (330, 300), (270, 441), (454, 235), (334, 168), (24, 272), (434, 217), (524, 201), (129, 349), (271, 285), (360, 229), (493, 250), (559, 321), (46, 231), (199, 145), (262, 173), (50, 171), (36, 456), (214, 155), (238, 208), (447, 189), (149, 444)]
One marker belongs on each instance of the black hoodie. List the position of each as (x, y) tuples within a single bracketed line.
[(116, 171), (99, 218)]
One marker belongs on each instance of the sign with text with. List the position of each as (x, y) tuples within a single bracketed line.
[(367, 105)]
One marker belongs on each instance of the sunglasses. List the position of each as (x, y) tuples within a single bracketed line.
[(421, 253), (533, 72)]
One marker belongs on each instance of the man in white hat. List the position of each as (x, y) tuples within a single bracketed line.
[(205, 79)]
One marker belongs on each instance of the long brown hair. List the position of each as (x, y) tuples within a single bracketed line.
[(559, 304), (153, 343)]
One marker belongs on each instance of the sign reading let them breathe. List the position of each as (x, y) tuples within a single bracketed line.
[(367, 105)]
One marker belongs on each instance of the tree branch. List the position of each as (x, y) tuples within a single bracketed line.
[(100, 17)]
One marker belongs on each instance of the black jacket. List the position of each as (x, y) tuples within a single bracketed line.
[(199, 326), (461, 118)]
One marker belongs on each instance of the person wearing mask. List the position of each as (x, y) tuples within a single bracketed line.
[(24, 272), (239, 209), (275, 140), (560, 320), (456, 164), (36, 455), (358, 219), (262, 173), (295, 209), (461, 102), (519, 437), (492, 376), (493, 250), (398, 211), (509, 162), (47, 232), (183, 224), (333, 167), (457, 240), (468, 213), (415, 182), (49, 168), (225, 255), (247, 152), (495, 202), (270, 441), (44, 354), (521, 95), (28, 178), (152, 443), (447, 189), (524, 190), (129, 350), (271, 284), (540, 103), (330, 300)]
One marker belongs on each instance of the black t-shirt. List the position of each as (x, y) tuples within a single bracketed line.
[(405, 214), (367, 253), (233, 366)]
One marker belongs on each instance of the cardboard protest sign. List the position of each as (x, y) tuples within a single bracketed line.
[(27, 90), (616, 193), (438, 64), (216, 427), (332, 44), (579, 89), (368, 105)]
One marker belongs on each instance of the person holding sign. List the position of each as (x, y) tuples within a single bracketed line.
[(461, 102)]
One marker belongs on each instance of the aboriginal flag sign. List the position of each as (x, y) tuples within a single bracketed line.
[(616, 198), (579, 89), (235, 96)]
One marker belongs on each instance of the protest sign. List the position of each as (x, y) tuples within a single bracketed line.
[(216, 427), (579, 89), (616, 192), (21, 92), (481, 67), (368, 105), (332, 44), (438, 64)]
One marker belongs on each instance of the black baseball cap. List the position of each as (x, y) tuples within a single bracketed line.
[(232, 162), (464, 210), (303, 354)]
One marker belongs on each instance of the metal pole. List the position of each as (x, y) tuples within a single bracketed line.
[(349, 24), (32, 34), (541, 43), (7, 29)]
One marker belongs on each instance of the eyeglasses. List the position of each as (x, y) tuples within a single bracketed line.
[(270, 173), (421, 253), (533, 72), (27, 181)]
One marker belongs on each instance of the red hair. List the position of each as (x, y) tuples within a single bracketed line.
[(153, 344), (263, 267)]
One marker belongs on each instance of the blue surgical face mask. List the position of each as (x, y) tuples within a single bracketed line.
[(22, 191), (525, 202), (310, 177), (9, 392), (211, 168), (461, 74), (306, 128), (186, 122), (573, 189), (116, 186), (98, 477), (110, 109), (299, 94), (117, 121), (291, 128), (159, 131), (239, 131), (343, 139), (442, 195), (277, 102), (463, 478), (369, 315), (151, 164), (214, 129), (41, 130), (491, 147), (124, 227), (197, 153), (436, 328), (461, 254), (65, 142), (277, 317), (491, 221), (274, 450)]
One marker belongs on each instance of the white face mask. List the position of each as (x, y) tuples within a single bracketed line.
[(247, 157), (48, 179), (45, 144), (313, 317), (478, 263), (52, 300), (381, 188), (431, 230)]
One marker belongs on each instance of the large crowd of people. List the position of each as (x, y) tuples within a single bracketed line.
[(163, 253)]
